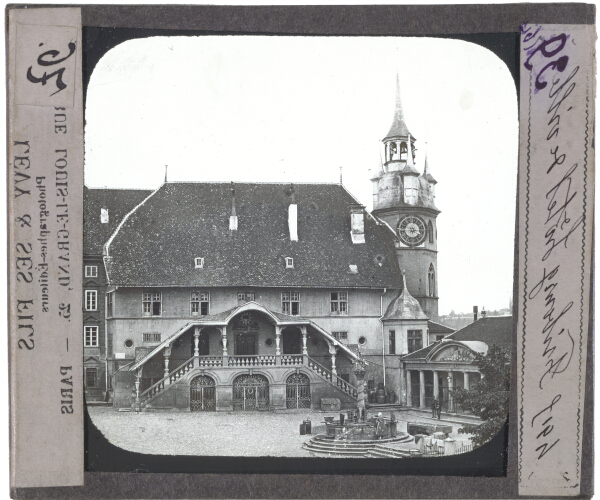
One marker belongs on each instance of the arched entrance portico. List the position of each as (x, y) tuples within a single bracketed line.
[(202, 394), (297, 391), (250, 392)]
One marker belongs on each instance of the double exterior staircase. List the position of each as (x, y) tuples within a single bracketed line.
[(245, 361)]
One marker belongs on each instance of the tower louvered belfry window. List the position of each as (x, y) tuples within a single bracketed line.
[(430, 231), (431, 281)]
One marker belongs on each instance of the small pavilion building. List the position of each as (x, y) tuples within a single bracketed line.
[(434, 371)]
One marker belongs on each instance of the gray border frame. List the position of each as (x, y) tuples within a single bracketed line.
[(404, 20)]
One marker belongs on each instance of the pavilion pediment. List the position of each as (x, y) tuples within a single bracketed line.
[(452, 353)]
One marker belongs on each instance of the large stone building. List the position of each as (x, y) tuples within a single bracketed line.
[(219, 296)]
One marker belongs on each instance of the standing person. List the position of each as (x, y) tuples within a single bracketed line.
[(439, 410), (379, 430), (434, 405)]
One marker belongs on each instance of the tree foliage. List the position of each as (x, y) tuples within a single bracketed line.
[(487, 399)]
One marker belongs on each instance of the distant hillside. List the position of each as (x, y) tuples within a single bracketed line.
[(461, 320)]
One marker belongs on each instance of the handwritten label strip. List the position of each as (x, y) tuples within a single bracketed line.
[(556, 193), (45, 193)]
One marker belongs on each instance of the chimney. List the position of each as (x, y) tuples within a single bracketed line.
[(233, 220), (475, 309), (293, 216), (357, 219)]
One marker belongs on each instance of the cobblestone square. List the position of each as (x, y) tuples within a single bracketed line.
[(242, 434)]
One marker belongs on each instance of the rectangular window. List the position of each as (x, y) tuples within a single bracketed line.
[(91, 300), (415, 340), (91, 271), (392, 341), (151, 338), (199, 303), (290, 303), (91, 377), (340, 335), (371, 385), (339, 302), (90, 336), (152, 303), (245, 297), (109, 304)]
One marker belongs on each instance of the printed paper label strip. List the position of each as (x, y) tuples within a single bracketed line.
[(45, 199), (556, 195)]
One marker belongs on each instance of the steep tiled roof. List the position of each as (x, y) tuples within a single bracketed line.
[(118, 202), (439, 328), (491, 330), (157, 244)]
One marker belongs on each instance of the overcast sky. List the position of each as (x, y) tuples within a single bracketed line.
[(295, 109)]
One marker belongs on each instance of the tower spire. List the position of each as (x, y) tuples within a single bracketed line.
[(427, 173), (398, 128)]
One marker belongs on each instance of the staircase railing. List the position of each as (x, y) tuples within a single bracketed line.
[(338, 382), (159, 386), (176, 374), (320, 369)]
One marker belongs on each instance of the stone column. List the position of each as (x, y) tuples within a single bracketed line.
[(304, 349), (277, 344), (332, 353), (196, 349), (450, 389), (422, 389), (167, 353), (138, 376), (436, 385), (408, 389), (466, 383), (224, 341)]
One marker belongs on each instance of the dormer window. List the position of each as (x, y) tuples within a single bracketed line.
[(353, 269), (104, 215), (199, 262), (289, 262)]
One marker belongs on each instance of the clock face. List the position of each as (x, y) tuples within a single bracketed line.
[(412, 230)]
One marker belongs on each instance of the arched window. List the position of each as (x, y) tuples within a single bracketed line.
[(403, 150), (430, 231), (431, 276), (392, 150)]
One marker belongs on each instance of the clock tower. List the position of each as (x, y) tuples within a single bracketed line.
[(405, 199)]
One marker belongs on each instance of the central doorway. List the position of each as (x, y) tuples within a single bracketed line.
[(251, 392), (245, 344), (292, 341), (202, 394)]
